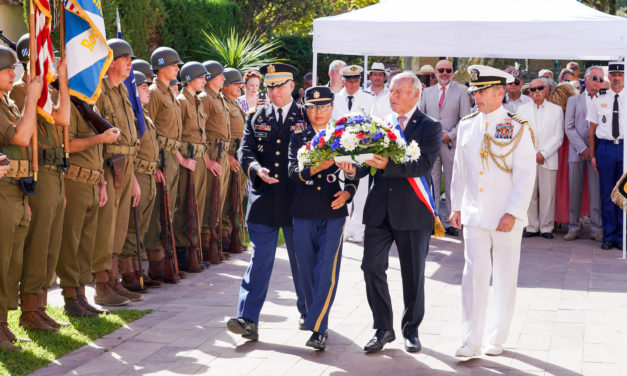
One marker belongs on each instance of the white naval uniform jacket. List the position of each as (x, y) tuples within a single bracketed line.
[(484, 194), (548, 126), (362, 102)]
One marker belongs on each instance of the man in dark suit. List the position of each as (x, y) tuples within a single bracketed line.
[(394, 213), (263, 155)]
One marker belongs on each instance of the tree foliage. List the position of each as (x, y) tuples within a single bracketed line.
[(242, 52)]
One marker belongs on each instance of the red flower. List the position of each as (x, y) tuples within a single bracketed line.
[(341, 121), (321, 142), (308, 145), (392, 136), (338, 133), (361, 135)]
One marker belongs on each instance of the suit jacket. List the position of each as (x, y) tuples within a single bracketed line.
[(314, 193), (549, 132), (455, 106), (362, 102), (265, 144), (391, 195), (577, 127)]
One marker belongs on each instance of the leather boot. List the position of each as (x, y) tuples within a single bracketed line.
[(130, 281), (4, 328), (30, 318), (156, 265), (82, 299), (151, 283), (105, 294), (148, 282), (117, 286), (6, 336), (72, 306), (42, 302), (182, 274)]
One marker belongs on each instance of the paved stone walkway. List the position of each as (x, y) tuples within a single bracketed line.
[(570, 319)]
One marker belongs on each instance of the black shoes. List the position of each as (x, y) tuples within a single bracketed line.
[(243, 326), (452, 231), (301, 323), (412, 344), (380, 338), (607, 245), (318, 341), (527, 234), (547, 235)]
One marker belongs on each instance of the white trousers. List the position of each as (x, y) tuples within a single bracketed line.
[(541, 213), (355, 227), (503, 266)]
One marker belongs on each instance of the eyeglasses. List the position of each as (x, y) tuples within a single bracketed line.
[(448, 70), (322, 107), (597, 78), (539, 88), (516, 82)]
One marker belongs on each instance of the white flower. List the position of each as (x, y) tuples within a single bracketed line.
[(304, 157), (349, 141), (412, 152)]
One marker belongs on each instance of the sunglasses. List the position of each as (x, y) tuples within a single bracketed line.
[(539, 88), (574, 68), (448, 70), (516, 82), (596, 78)]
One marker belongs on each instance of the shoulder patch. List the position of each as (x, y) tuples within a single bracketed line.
[(470, 116), (518, 118)]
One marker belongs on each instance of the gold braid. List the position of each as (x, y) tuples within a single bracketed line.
[(499, 159)]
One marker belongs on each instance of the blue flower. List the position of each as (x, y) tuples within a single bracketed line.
[(377, 136), (335, 144)]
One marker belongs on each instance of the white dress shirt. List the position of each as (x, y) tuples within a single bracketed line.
[(601, 114), (285, 109)]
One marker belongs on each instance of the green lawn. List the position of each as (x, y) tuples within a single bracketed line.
[(46, 347)]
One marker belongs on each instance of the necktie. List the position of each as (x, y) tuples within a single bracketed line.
[(442, 96), (350, 102), (615, 132), (401, 122), (280, 110)]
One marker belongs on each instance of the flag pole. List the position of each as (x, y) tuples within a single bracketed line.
[(66, 131), (33, 74)]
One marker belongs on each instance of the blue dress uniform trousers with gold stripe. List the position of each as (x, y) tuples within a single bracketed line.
[(610, 164), (319, 232), (265, 145)]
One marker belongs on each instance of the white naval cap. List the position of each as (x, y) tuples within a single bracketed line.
[(352, 71), (483, 77)]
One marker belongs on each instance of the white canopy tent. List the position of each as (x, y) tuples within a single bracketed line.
[(534, 29)]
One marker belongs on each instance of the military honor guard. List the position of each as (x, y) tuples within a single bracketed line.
[(193, 149), (495, 158), (319, 210), (18, 93), (122, 187), (352, 99), (165, 112), (41, 248), (263, 155), (16, 130), (146, 173), (607, 124), (236, 186), (447, 102)]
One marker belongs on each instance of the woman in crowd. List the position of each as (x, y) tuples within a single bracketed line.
[(250, 99), (319, 211)]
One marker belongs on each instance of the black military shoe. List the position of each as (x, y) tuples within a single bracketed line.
[(606, 245), (243, 326), (380, 338), (318, 341), (527, 234), (412, 344), (301, 323), (547, 235), (452, 231)]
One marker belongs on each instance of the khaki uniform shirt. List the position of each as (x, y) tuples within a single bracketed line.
[(18, 94), (90, 158), (165, 110), (194, 118), (217, 126), (237, 118), (9, 116), (115, 108), (148, 145)]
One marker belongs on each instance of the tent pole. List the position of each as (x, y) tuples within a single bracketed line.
[(624, 214), (365, 70), (314, 70)]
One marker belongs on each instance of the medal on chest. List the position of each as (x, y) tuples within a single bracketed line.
[(504, 130), (604, 119)]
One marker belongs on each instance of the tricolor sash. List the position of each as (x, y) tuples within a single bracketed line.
[(421, 189)]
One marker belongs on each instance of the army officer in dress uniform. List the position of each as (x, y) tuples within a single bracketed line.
[(493, 176), (263, 156), (319, 210)]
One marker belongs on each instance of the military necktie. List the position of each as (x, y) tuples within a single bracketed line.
[(280, 117), (615, 132), (350, 102)]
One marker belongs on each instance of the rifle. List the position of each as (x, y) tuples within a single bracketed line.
[(139, 249), (192, 226), (8, 41), (215, 248), (167, 233), (93, 119), (236, 247)]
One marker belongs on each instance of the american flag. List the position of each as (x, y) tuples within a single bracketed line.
[(44, 58)]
